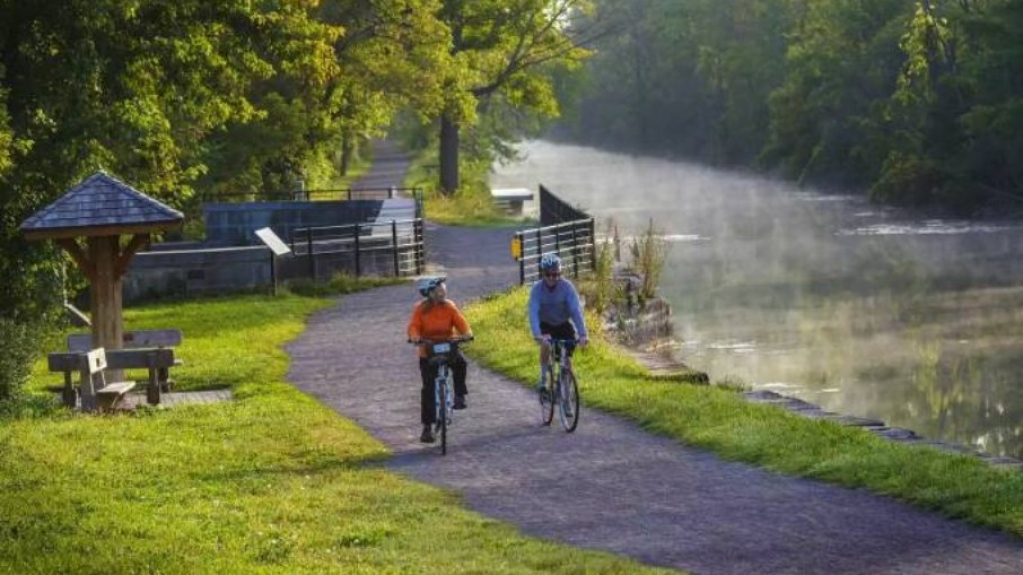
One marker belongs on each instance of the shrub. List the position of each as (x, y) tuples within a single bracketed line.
[(648, 254), (21, 345), (602, 290)]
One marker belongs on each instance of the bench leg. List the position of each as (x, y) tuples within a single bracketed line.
[(108, 401), (153, 388), (163, 376), (69, 395)]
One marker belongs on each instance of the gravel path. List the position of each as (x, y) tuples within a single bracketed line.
[(609, 485)]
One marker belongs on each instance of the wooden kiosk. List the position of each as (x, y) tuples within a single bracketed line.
[(88, 222)]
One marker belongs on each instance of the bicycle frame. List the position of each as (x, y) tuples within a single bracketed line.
[(439, 353), (562, 388)]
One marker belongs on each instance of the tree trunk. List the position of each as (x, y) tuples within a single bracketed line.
[(346, 153), (448, 155)]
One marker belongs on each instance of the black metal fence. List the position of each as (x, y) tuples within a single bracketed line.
[(301, 195), (564, 230), (572, 241), (394, 247), (554, 210)]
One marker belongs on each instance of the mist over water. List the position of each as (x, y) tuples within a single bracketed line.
[(862, 310)]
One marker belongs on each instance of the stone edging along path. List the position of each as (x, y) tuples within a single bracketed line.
[(875, 426)]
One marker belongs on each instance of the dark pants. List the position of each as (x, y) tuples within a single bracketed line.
[(429, 373), (562, 331)]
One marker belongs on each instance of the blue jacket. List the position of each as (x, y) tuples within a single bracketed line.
[(555, 306)]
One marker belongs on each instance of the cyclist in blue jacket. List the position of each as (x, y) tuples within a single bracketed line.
[(554, 310)]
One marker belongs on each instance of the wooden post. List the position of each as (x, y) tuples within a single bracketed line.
[(105, 296)]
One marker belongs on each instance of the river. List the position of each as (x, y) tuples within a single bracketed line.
[(862, 310)]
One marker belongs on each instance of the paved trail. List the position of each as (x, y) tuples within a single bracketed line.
[(609, 485)]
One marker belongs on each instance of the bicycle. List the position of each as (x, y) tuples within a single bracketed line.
[(439, 353), (561, 386)]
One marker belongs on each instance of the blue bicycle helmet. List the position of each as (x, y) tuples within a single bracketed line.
[(550, 262), (426, 285)]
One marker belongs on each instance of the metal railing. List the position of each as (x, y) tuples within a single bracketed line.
[(554, 210), (572, 241), (322, 194), (395, 246)]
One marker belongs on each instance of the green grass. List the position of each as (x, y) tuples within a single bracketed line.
[(272, 482), (471, 205), (719, 420)]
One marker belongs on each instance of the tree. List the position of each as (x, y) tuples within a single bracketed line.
[(505, 47), (394, 56), (137, 88), (827, 118)]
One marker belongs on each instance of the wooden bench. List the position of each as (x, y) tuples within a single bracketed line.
[(139, 339), (511, 199), (95, 391)]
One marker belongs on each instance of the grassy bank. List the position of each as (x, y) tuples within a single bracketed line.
[(719, 420), (272, 482), (471, 205)]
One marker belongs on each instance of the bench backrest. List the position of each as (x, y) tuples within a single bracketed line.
[(140, 358), (130, 339), (87, 363)]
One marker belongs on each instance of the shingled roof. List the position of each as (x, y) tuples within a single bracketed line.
[(101, 206)]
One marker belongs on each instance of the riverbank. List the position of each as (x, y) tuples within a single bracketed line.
[(648, 337)]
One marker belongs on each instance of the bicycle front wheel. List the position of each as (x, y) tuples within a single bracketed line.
[(568, 401), (547, 399), (442, 415)]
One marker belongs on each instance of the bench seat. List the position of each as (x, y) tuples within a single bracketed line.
[(110, 394)]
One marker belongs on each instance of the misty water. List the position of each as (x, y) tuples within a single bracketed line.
[(862, 310)]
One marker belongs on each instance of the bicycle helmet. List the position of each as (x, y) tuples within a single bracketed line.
[(550, 262), (426, 285)]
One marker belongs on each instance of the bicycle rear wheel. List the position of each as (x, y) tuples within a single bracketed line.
[(568, 401), (547, 399)]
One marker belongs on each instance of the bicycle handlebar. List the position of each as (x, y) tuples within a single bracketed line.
[(557, 341), (456, 339)]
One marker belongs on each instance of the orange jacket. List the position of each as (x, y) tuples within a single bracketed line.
[(441, 321)]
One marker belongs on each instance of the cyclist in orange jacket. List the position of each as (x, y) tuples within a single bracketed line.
[(437, 318)]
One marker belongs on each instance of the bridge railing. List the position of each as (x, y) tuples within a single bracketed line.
[(377, 248)]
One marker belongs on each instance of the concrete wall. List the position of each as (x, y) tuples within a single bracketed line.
[(167, 272), (233, 259), (235, 224)]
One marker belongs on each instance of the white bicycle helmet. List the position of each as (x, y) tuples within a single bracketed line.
[(550, 262), (426, 285)]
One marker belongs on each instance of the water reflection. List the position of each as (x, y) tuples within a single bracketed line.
[(861, 310)]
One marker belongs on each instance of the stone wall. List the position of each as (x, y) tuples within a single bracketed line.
[(233, 259), (638, 323), (167, 272)]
